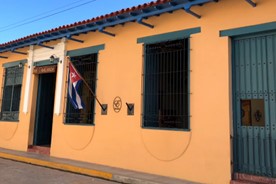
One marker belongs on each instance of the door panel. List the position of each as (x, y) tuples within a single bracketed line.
[(254, 90)]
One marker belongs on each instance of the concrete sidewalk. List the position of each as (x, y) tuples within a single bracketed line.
[(95, 170)]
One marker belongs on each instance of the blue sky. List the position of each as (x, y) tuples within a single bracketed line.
[(19, 18)]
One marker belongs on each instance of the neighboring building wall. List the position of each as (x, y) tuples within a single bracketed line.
[(202, 154)]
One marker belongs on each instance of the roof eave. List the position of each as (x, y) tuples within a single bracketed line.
[(137, 14)]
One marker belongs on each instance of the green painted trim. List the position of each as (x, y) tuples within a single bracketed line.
[(15, 63), (85, 51), (143, 87), (169, 36), (189, 85), (45, 62), (95, 101), (248, 29)]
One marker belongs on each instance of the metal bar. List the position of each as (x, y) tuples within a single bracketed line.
[(17, 52), (46, 46), (192, 13), (11, 100), (251, 3), (4, 57), (105, 32), (140, 21), (69, 37)]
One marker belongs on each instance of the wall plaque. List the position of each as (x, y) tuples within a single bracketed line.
[(45, 69), (117, 104)]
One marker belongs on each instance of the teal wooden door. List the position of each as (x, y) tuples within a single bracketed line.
[(254, 104)]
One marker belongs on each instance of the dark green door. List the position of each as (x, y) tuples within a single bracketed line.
[(254, 104), (44, 109)]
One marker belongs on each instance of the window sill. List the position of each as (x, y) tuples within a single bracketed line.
[(167, 129), (78, 124), (10, 121)]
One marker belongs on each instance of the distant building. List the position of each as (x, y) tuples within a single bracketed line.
[(183, 90)]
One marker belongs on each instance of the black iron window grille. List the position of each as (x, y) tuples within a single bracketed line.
[(11, 93), (166, 93), (87, 68)]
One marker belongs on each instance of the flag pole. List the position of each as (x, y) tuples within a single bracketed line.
[(84, 81)]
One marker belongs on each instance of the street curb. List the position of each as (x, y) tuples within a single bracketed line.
[(130, 180), (127, 178), (59, 166), (76, 169)]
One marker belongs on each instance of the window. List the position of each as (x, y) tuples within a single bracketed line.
[(11, 93), (252, 112), (166, 82), (87, 67)]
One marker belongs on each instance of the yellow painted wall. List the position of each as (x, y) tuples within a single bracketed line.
[(202, 154)]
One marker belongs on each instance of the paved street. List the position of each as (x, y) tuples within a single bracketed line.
[(12, 172)]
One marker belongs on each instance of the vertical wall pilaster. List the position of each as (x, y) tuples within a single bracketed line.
[(60, 77), (28, 80)]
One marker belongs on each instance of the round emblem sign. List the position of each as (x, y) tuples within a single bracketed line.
[(117, 104)]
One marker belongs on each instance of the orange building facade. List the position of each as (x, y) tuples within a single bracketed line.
[(181, 90)]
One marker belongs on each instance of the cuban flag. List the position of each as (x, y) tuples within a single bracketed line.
[(74, 81)]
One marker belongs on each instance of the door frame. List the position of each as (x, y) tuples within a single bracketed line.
[(38, 72)]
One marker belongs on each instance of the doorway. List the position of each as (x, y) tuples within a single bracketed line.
[(254, 104), (44, 109)]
